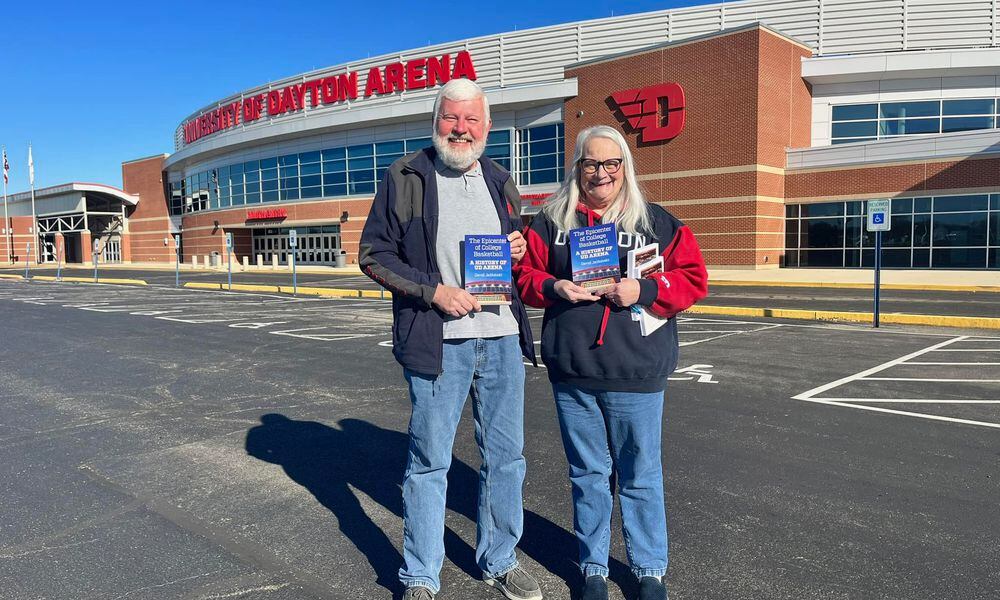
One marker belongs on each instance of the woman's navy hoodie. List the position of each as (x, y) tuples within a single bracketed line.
[(596, 345)]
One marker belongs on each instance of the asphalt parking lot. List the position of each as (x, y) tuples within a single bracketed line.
[(178, 443)]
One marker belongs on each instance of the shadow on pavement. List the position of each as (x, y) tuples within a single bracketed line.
[(327, 460)]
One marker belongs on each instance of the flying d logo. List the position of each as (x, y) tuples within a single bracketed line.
[(656, 112)]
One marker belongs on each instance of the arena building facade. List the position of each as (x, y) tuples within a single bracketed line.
[(764, 124)]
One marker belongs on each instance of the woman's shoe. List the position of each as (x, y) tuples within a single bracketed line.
[(652, 588), (595, 588)]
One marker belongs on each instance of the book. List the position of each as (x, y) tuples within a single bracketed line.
[(487, 269), (594, 256), (642, 263)]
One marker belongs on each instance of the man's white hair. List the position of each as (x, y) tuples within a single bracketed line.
[(458, 90)]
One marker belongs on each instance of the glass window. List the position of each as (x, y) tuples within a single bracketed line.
[(792, 210), (821, 258), (855, 208), (854, 129), (903, 110), (366, 162), (994, 229), (289, 171), (235, 169), (332, 178), (994, 201), (310, 169), (825, 209), (362, 187), (311, 180), (901, 233), (269, 196), (394, 147), (852, 140), (268, 163), (288, 160), (959, 229), (852, 258), (952, 124), (334, 166), (252, 176), (909, 127), (823, 233), (982, 106), (922, 230), (896, 258), (359, 150), (312, 192), (921, 258), (267, 174), (790, 259), (901, 206), (852, 112), (309, 157), (961, 203), (290, 183), (412, 145), (958, 258), (921, 205), (792, 233), (334, 153), (253, 165), (271, 184), (334, 190), (854, 227)]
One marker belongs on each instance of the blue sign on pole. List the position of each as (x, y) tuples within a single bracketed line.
[(229, 258), (879, 220)]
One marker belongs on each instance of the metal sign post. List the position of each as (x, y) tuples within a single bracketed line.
[(58, 263), (27, 259), (96, 243), (177, 262), (293, 243), (229, 258), (879, 220)]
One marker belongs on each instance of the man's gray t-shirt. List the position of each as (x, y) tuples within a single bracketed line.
[(466, 208)]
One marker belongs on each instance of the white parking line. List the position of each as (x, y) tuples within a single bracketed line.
[(860, 403)]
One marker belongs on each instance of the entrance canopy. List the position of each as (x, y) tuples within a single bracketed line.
[(73, 206)]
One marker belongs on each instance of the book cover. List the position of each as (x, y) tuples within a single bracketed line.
[(487, 269), (642, 263), (594, 252)]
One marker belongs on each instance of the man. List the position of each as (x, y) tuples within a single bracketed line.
[(450, 347)]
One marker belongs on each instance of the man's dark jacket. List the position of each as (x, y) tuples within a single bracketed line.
[(398, 251)]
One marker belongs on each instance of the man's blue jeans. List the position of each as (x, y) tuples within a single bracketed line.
[(620, 431), (491, 371)]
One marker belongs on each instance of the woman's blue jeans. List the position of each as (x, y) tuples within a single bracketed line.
[(606, 432), (492, 372)]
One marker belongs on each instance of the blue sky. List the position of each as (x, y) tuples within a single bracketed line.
[(92, 84)]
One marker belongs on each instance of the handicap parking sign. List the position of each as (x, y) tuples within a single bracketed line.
[(879, 215)]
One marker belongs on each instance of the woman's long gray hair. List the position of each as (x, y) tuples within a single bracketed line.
[(628, 211)]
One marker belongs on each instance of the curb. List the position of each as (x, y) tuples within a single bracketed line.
[(853, 317), (287, 289), (858, 286), (91, 280), (6, 276)]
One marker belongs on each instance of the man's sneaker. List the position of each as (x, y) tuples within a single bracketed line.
[(418, 592), (652, 588), (595, 588), (517, 584)]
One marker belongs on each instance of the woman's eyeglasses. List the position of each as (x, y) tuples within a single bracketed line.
[(611, 165)]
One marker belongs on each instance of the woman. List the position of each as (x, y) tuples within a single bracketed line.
[(607, 379)]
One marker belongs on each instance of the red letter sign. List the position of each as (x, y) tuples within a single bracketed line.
[(641, 108)]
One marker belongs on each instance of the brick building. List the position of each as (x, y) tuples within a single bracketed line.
[(765, 125)]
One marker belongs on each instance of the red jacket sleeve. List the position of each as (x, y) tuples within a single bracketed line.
[(683, 280), (531, 272)]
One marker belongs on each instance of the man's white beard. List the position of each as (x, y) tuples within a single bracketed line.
[(456, 158)]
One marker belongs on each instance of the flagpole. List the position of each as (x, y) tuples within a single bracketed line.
[(34, 218), (6, 219)]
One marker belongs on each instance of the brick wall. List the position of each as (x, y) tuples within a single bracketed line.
[(746, 103), (149, 222)]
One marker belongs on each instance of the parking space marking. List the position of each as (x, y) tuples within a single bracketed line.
[(868, 375)]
